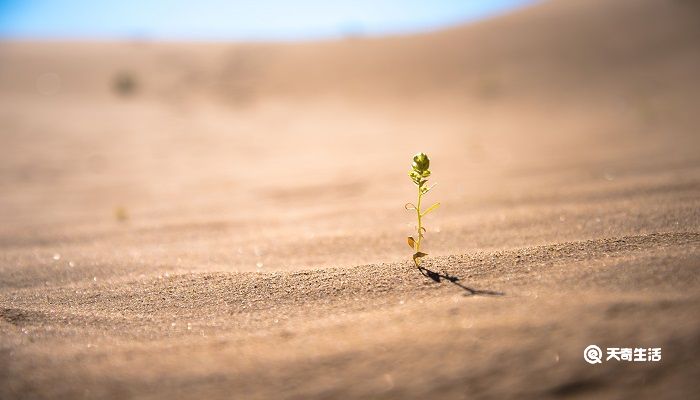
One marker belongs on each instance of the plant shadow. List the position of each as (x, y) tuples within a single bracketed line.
[(438, 277)]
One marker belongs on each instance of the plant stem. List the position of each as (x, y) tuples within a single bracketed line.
[(420, 225)]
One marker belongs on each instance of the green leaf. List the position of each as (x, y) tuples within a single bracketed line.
[(431, 208), (426, 190), (421, 162), (411, 242), (419, 255)]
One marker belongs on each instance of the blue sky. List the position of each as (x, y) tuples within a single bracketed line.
[(235, 19)]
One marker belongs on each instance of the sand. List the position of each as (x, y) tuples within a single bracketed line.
[(229, 222)]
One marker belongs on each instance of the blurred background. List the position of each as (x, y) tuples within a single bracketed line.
[(275, 20), (177, 136)]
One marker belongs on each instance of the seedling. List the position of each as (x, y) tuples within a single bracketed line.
[(420, 173)]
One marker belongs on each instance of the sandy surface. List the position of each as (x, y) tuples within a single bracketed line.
[(233, 226)]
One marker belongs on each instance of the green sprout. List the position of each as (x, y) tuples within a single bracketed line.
[(419, 174)]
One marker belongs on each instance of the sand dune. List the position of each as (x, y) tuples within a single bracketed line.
[(189, 220), (316, 333)]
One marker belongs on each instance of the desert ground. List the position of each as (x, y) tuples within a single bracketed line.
[(226, 220)]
